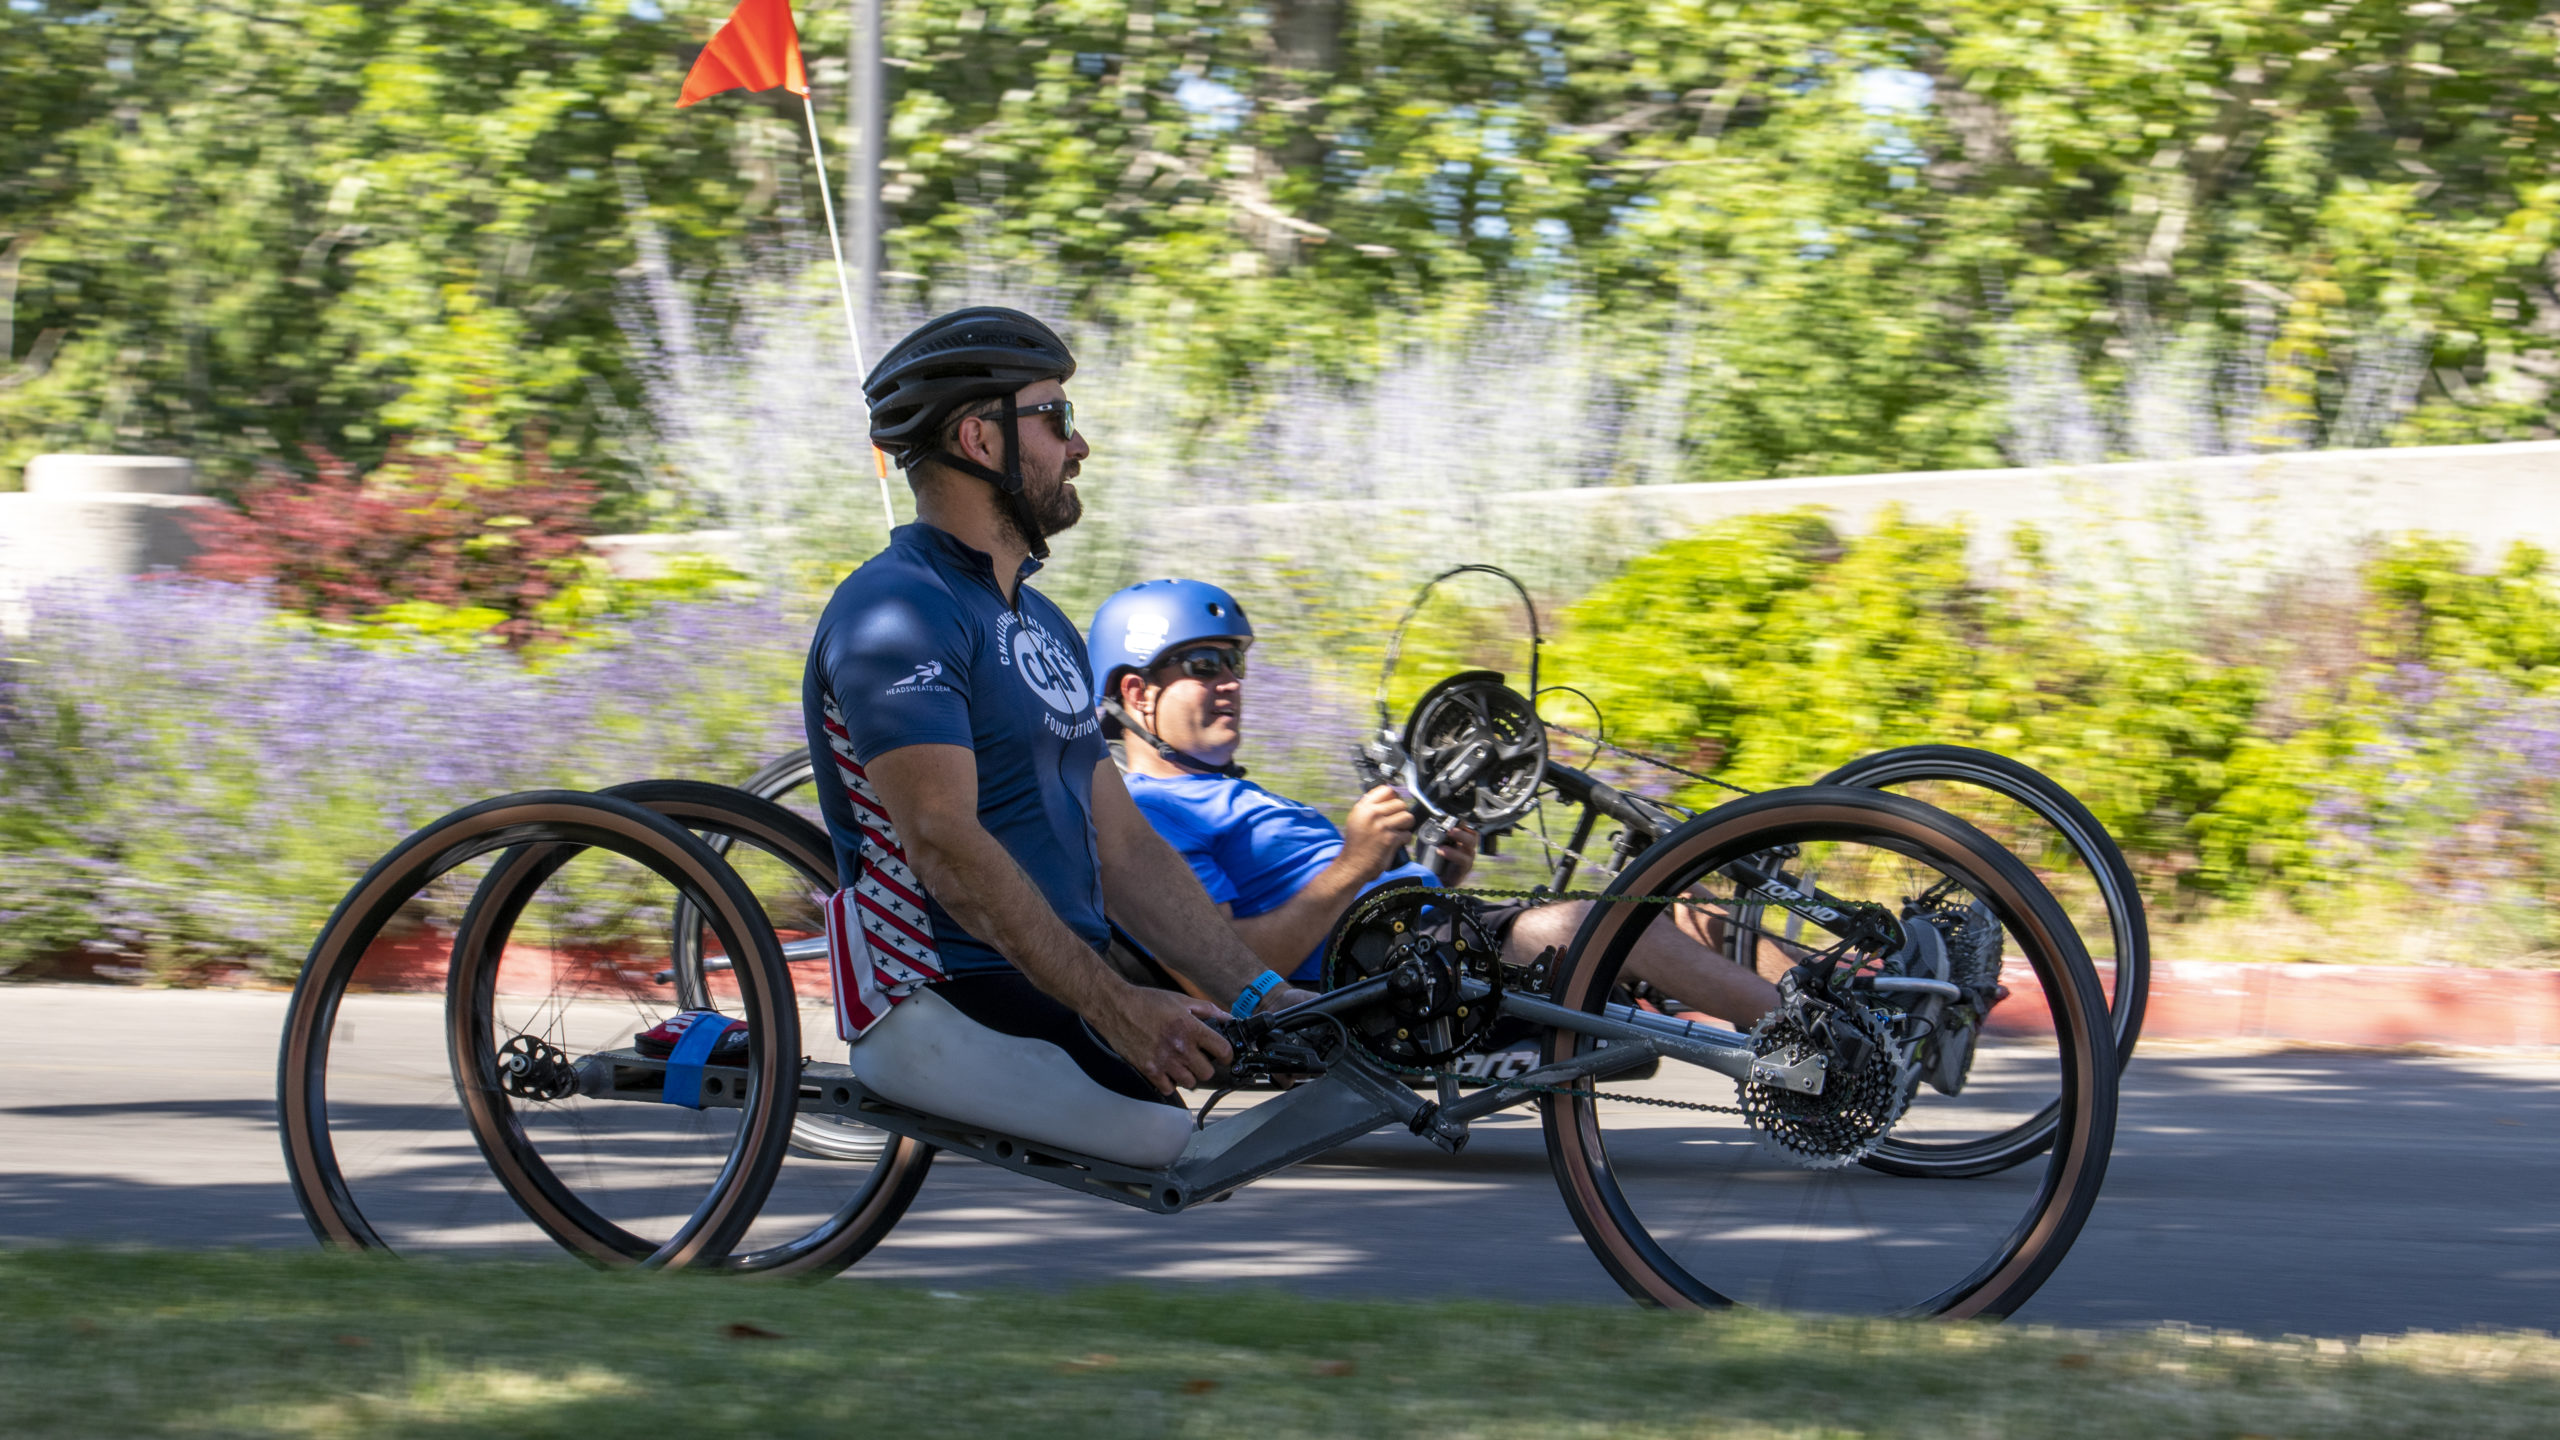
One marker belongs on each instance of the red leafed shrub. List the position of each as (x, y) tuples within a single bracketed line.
[(431, 528)]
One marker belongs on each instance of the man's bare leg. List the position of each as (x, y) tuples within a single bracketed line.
[(1666, 957)]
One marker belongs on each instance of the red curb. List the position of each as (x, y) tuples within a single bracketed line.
[(2353, 1004), (2337, 1004), (416, 964)]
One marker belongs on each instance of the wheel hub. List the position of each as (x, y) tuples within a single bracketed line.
[(531, 1069)]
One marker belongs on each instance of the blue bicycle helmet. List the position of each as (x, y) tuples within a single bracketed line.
[(1142, 622)]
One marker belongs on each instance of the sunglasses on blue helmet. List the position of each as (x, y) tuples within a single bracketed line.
[(1204, 663)]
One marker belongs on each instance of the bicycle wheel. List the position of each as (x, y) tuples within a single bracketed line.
[(1690, 1206), (781, 776), (398, 1023), (824, 1215), (2045, 825)]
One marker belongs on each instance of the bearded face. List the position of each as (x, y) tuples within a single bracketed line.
[(1047, 452), (1049, 493)]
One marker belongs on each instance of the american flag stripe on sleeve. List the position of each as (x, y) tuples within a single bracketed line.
[(879, 939)]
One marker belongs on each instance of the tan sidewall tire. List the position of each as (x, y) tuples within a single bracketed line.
[(475, 830), (1575, 1143)]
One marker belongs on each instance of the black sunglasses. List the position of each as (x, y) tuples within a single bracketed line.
[(1205, 663), (1061, 413)]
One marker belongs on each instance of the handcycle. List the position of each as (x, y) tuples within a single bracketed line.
[(1464, 754), (1868, 897)]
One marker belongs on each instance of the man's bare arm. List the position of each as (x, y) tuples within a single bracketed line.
[(1154, 895), (931, 793), (1284, 937), (1379, 822)]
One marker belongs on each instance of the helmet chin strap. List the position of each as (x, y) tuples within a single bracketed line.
[(1008, 481), (1129, 722)]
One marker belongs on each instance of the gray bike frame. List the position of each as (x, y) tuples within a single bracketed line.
[(1354, 1096)]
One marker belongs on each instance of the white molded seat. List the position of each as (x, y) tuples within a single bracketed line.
[(926, 1055)]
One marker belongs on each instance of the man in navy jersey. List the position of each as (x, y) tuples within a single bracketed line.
[(1170, 656), (981, 830)]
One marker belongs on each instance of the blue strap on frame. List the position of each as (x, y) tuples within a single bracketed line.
[(684, 1067), (1247, 998)]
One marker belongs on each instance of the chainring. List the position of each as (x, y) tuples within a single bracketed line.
[(1434, 940), (1858, 1105)]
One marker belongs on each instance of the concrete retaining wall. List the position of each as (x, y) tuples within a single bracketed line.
[(2237, 518), (2241, 518), (93, 515)]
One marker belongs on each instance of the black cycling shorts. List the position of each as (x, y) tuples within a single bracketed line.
[(1496, 916), (1009, 1004)]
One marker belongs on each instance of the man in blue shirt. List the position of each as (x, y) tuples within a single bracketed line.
[(1171, 654), (980, 828)]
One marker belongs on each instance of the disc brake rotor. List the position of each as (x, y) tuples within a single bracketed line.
[(1474, 752)]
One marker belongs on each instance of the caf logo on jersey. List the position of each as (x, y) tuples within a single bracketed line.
[(1053, 671)]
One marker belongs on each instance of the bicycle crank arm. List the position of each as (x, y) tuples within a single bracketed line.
[(1334, 1002), (1722, 1051), (1916, 985)]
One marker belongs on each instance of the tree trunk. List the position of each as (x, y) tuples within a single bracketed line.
[(1304, 54)]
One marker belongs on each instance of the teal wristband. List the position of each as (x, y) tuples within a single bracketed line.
[(1251, 995)]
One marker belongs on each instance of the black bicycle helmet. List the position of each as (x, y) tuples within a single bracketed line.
[(979, 353), (947, 362)]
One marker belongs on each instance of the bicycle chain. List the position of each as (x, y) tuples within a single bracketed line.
[(1496, 1082)]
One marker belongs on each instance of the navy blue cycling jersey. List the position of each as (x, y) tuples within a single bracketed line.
[(918, 647)]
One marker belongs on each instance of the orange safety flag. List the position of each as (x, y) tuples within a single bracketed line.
[(757, 50)]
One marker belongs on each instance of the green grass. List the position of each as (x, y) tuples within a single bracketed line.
[(145, 1343)]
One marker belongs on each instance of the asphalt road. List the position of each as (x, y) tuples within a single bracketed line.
[(2314, 1193)]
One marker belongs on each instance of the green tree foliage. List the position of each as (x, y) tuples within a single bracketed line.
[(1849, 222), (241, 232), (1849, 233)]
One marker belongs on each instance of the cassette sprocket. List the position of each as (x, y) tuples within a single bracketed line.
[(1862, 1095)]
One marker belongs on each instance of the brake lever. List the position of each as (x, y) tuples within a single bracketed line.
[(1258, 1051), (1381, 761)]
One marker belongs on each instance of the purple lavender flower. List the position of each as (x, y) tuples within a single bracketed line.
[(191, 777)]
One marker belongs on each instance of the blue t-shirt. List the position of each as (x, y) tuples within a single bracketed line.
[(1252, 849), (918, 647)]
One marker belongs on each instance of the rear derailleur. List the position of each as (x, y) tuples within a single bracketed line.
[(1828, 1079)]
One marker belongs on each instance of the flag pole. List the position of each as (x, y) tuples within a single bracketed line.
[(844, 287)]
